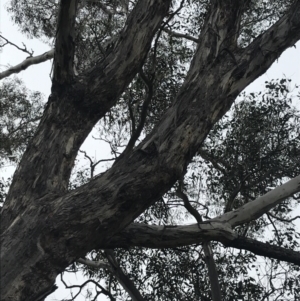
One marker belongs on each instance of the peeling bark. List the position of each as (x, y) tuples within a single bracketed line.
[(45, 227)]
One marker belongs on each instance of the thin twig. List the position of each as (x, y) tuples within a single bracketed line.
[(94, 164), (275, 229), (7, 42), (208, 252), (283, 219)]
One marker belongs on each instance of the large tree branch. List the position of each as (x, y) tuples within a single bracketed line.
[(255, 59), (32, 60), (60, 229), (158, 237), (64, 49), (69, 117), (218, 229), (82, 105), (266, 249), (261, 205), (125, 57)]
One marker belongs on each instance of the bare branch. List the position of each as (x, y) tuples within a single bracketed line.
[(114, 268), (80, 287), (33, 60), (180, 35), (136, 132), (124, 280), (132, 117), (188, 205), (93, 164), (275, 229), (208, 252), (7, 42), (284, 220)]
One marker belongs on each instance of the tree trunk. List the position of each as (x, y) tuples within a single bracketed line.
[(44, 227)]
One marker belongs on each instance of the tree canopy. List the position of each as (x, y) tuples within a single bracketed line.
[(198, 199)]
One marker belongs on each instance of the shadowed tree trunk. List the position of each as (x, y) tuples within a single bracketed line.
[(45, 227)]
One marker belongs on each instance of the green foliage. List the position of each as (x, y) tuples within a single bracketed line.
[(99, 22), (4, 185), (253, 148), (20, 111)]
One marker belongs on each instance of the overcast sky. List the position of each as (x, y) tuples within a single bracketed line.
[(37, 77)]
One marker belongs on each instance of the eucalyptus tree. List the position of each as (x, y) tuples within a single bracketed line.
[(255, 147), (164, 72)]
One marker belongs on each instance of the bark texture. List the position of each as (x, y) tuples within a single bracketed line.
[(44, 227)]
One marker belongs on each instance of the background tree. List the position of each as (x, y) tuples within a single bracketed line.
[(155, 77)]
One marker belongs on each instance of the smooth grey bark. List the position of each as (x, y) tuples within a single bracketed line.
[(261, 205), (33, 60), (45, 227)]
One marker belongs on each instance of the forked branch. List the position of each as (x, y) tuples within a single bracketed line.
[(208, 252), (114, 268), (24, 49)]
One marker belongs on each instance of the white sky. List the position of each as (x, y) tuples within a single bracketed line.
[(37, 77)]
